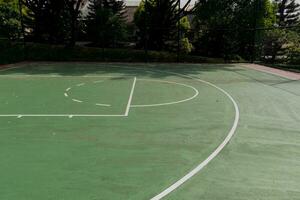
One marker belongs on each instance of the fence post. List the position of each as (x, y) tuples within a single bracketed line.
[(146, 37), (22, 27), (256, 10), (178, 32)]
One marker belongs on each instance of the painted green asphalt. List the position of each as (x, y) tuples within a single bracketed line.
[(48, 95), (262, 160), (139, 156), (132, 157)]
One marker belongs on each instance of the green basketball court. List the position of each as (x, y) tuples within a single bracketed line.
[(92, 131)]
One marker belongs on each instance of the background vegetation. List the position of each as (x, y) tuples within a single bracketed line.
[(162, 30)]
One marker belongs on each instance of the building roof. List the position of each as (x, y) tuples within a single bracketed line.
[(132, 2)]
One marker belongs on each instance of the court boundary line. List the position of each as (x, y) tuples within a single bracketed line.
[(281, 73), (6, 67), (58, 115), (58, 76)]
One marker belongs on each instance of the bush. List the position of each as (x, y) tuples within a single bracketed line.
[(43, 52), (10, 52), (293, 48), (186, 47)]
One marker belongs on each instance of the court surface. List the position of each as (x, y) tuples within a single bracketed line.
[(92, 131)]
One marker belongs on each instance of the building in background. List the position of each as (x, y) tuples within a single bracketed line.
[(131, 7)]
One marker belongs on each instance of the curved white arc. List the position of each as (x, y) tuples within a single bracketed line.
[(198, 168), (168, 103), (66, 94)]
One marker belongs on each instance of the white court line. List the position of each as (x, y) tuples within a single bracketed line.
[(274, 71), (98, 81), (198, 168), (56, 76), (100, 104), (229, 136), (58, 115), (130, 97), (76, 100), (169, 103), (79, 101)]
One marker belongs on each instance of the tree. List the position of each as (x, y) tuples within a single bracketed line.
[(45, 20), (106, 22), (288, 12), (250, 18), (228, 28), (184, 27), (37, 12), (283, 42), (10, 25), (212, 20), (53, 20), (57, 22), (292, 49), (273, 44), (157, 22), (73, 8)]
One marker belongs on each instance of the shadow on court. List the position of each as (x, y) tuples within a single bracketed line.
[(217, 73)]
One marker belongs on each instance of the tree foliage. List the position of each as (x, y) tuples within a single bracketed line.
[(52, 21), (227, 27), (73, 11), (217, 28), (157, 22), (288, 12), (282, 43), (10, 25), (273, 44), (185, 45), (106, 22)]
